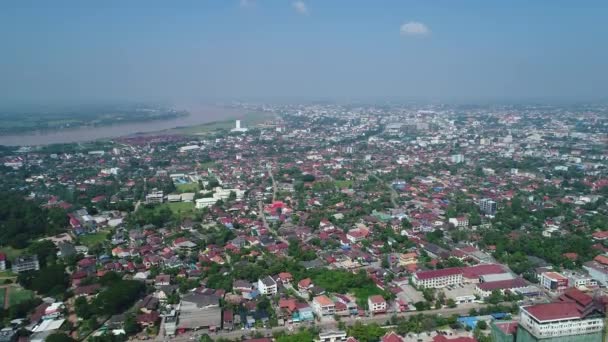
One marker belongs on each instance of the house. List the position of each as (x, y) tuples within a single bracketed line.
[(304, 285), (376, 304), (391, 337), (408, 258), (25, 263), (184, 244), (162, 280), (148, 319), (323, 306), (285, 278), (358, 234), (228, 320), (303, 313), (267, 286)]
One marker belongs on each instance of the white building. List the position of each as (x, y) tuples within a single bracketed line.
[(560, 319), (376, 304), (238, 127), (438, 278), (155, 197), (332, 336), (267, 286), (323, 306)]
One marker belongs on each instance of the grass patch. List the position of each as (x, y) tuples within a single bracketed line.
[(188, 187), (7, 274), (18, 295), (180, 209), (11, 253), (344, 184), (93, 239), (249, 120)]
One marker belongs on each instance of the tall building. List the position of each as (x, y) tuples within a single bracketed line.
[(488, 206), (25, 263), (238, 128), (575, 317)]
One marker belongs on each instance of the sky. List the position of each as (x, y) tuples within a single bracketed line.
[(55, 52)]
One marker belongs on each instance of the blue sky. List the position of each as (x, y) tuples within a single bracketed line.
[(453, 50)]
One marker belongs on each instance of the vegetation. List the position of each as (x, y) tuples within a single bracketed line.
[(22, 220)]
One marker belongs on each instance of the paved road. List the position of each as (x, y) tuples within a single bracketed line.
[(393, 193), (327, 325)]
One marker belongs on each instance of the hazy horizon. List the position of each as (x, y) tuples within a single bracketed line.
[(74, 53)]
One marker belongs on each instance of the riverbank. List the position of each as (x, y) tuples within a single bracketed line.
[(199, 120)]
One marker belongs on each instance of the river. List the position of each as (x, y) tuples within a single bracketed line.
[(198, 115)]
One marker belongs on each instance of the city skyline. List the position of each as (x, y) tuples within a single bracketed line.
[(464, 51)]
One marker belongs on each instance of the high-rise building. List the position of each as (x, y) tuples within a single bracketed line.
[(488, 206), (238, 128)]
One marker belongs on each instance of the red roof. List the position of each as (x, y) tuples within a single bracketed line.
[(423, 275), (392, 337), (476, 271), (554, 311), (600, 258), (578, 296), (601, 235), (441, 338), (502, 284), (508, 328), (377, 299)]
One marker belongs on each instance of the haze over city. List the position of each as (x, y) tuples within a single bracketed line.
[(87, 52)]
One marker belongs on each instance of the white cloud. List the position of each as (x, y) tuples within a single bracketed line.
[(247, 3), (300, 7), (414, 28)]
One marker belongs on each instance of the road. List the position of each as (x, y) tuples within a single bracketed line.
[(274, 183), (327, 325), (393, 193)]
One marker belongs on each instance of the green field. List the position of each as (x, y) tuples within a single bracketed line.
[(11, 253), (18, 295), (93, 239), (189, 187), (344, 184), (249, 120), (181, 209)]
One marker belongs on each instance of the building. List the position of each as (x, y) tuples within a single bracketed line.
[(560, 321), (199, 311), (25, 263), (2, 261), (238, 128), (488, 206), (597, 271), (438, 278), (376, 304), (553, 281), (332, 336), (323, 306), (267, 286), (155, 197), (457, 158), (485, 289)]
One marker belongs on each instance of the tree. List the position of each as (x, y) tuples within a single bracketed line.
[(59, 337), (131, 326), (50, 280), (482, 325), (82, 308)]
